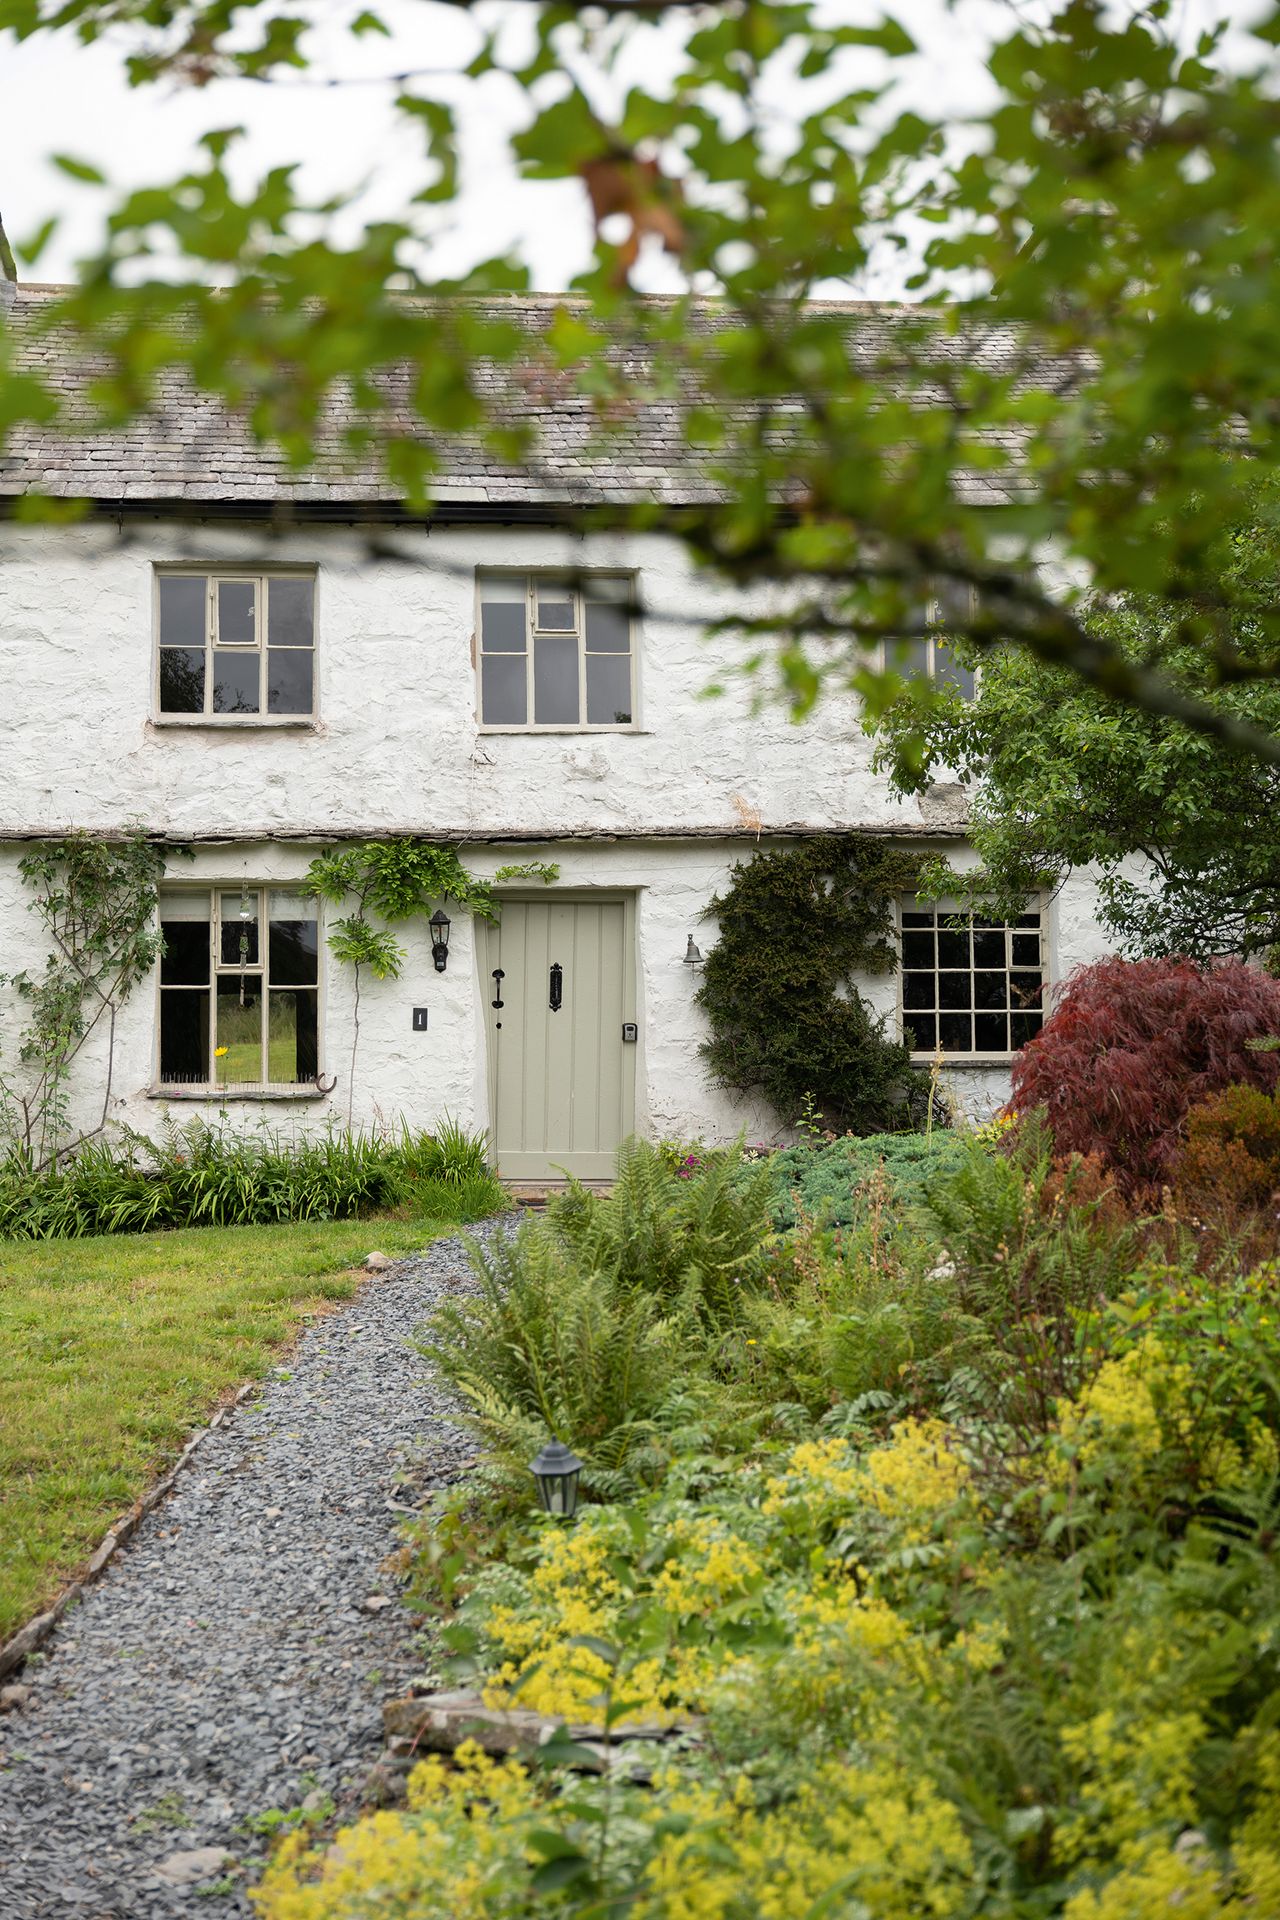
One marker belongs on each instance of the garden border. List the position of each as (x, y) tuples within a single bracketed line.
[(16, 1650)]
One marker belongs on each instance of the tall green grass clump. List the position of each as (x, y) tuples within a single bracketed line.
[(202, 1175)]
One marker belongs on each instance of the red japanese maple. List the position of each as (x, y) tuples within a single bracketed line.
[(1132, 1044)]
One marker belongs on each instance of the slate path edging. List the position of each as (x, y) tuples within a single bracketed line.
[(227, 1661)]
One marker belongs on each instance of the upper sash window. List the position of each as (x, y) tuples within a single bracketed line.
[(235, 646)]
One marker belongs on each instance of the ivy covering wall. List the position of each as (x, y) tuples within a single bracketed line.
[(797, 924)]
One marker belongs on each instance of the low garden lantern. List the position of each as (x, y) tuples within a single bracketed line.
[(555, 1473), (440, 924)]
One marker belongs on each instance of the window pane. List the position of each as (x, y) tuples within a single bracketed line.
[(915, 919), (183, 598), (555, 608), (608, 627), (237, 1053), (954, 989), (955, 1033), (910, 657), (239, 942), (292, 1052), (1026, 949), (920, 1031), (289, 604), (948, 672), (991, 989), (1023, 1027), (1024, 989), (555, 681), (235, 613), (503, 694), (289, 680), (988, 950), (990, 1034), (235, 682), (953, 948), (293, 941), (918, 990), (609, 689), (185, 960), (184, 1037), (917, 950), (182, 679), (502, 627)]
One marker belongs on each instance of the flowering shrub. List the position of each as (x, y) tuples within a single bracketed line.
[(922, 1672), (1133, 1044)]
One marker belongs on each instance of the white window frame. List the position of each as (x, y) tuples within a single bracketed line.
[(260, 971), (258, 578), (573, 583), (1036, 903)]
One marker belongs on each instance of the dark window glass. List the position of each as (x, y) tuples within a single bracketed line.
[(609, 689), (953, 948), (289, 680), (1023, 1027), (921, 1032), (235, 682), (988, 949), (503, 693), (182, 609), (989, 1033), (502, 626), (608, 627), (292, 1051), (184, 1037), (955, 1034), (918, 990), (911, 657), (289, 604), (991, 989), (955, 989), (917, 919), (185, 960), (1028, 920), (237, 1057), (293, 952), (236, 613), (1025, 989), (917, 950), (555, 681), (1026, 949), (182, 679)]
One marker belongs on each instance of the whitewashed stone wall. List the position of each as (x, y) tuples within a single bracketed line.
[(397, 747)]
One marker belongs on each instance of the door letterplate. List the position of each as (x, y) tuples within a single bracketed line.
[(630, 1032)]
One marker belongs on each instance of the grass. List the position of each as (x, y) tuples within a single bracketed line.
[(113, 1348)]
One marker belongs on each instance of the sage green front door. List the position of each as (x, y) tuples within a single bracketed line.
[(562, 1071)]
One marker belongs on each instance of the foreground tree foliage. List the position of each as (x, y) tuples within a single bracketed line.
[(1181, 837), (1113, 209)]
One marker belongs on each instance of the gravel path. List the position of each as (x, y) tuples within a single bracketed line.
[(228, 1661)]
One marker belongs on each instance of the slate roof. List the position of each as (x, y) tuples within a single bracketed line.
[(190, 449)]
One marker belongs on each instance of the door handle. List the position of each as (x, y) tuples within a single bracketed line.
[(498, 977), (556, 986)]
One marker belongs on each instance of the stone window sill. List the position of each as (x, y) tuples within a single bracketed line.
[(950, 1060), (221, 1095), (239, 723)]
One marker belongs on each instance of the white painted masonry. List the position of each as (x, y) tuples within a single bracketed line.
[(663, 810)]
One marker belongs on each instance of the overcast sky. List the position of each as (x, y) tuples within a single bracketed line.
[(58, 96)]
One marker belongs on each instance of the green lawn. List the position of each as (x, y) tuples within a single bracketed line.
[(113, 1349)]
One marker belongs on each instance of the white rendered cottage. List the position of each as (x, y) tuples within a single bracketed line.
[(256, 664)]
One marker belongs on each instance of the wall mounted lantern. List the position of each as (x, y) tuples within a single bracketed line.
[(440, 924), (555, 1473), (692, 955)]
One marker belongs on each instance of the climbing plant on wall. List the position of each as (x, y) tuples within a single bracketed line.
[(396, 881), (96, 902), (796, 926)]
